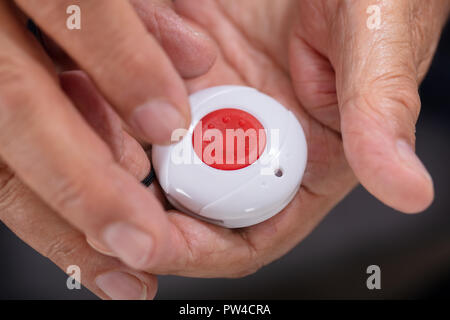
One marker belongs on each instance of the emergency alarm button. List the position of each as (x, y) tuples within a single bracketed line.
[(229, 139)]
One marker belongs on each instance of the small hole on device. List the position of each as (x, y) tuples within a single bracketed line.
[(278, 173)]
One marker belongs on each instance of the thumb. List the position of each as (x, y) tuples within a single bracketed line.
[(377, 88)]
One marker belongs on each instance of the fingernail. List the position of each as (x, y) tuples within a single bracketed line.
[(409, 157), (99, 247), (131, 245), (121, 286), (156, 120)]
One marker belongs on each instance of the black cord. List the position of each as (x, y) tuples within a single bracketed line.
[(36, 32), (148, 180)]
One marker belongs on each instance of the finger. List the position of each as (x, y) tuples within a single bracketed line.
[(102, 118), (314, 82), (52, 149), (191, 51), (124, 61), (377, 86), (40, 227), (106, 123), (99, 114)]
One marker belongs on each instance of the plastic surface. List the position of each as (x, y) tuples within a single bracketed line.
[(243, 196), (235, 154)]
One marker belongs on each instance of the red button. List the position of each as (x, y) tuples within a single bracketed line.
[(229, 139)]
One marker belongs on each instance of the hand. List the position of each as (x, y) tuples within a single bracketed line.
[(361, 120), (363, 83), (253, 52), (47, 145), (30, 218)]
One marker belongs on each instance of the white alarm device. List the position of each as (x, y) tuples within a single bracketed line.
[(239, 163)]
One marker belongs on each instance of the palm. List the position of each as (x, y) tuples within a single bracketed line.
[(249, 57)]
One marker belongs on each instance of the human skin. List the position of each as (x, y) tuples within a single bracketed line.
[(354, 91), (46, 143)]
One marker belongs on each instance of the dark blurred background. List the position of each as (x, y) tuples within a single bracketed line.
[(413, 251)]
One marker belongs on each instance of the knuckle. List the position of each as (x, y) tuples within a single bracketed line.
[(9, 188), (253, 261), (13, 75), (391, 97), (409, 101), (81, 191), (128, 55), (64, 247), (15, 88), (70, 193), (123, 55), (400, 88), (400, 106)]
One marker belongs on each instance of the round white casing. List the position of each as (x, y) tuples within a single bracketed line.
[(243, 197)]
